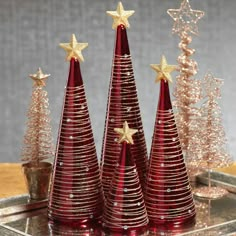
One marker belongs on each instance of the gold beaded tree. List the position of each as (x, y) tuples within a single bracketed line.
[(213, 134), (38, 144), (188, 89), (214, 153)]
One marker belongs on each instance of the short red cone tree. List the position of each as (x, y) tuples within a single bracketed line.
[(125, 209)]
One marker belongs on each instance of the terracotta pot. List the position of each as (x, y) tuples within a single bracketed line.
[(37, 179)]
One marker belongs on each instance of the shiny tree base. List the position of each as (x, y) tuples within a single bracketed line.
[(176, 226), (210, 192), (61, 229), (134, 231), (79, 224)]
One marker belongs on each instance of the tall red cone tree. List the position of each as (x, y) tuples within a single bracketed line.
[(125, 211), (168, 193), (122, 105), (76, 194)]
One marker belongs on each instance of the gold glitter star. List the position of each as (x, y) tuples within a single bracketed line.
[(185, 18), (126, 133), (39, 78), (74, 49), (120, 16), (163, 70)]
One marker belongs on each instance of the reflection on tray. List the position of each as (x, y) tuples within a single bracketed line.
[(19, 204), (212, 217), (221, 179)]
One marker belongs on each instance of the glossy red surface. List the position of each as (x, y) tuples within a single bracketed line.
[(122, 106), (125, 211), (76, 197), (168, 194), (85, 230)]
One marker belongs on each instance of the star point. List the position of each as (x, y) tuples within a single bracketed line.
[(120, 16), (39, 77), (185, 18), (74, 49), (163, 70), (125, 133), (212, 85)]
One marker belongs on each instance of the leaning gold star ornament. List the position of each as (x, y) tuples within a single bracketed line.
[(120, 16), (126, 133), (74, 49), (163, 70), (39, 77), (185, 18)]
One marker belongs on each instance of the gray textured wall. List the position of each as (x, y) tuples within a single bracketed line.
[(31, 30)]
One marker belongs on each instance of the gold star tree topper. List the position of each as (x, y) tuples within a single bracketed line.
[(185, 18), (74, 49), (120, 16), (126, 133), (39, 77), (163, 70)]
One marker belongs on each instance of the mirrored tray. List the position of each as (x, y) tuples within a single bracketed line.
[(18, 204), (221, 179), (214, 217), (20, 216)]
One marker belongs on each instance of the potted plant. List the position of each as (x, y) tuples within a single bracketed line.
[(38, 144)]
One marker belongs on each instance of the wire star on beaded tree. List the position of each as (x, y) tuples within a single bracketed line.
[(125, 210), (76, 197), (122, 104), (168, 194), (38, 142), (188, 89)]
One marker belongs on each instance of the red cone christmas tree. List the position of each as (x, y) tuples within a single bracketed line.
[(76, 194), (125, 208), (122, 104), (168, 194)]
